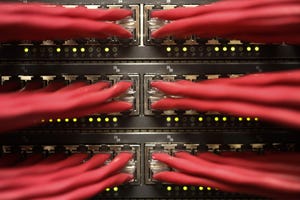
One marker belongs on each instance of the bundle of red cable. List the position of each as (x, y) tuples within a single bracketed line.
[(265, 21), (28, 106), (34, 21), (273, 97), (58, 177), (277, 178)]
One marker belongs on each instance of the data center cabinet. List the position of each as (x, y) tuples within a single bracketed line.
[(143, 130)]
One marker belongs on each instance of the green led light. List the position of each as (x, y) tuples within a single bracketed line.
[(256, 119), (176, 119), (248, 119), (208, 188), (168, 49), (114, 119), (217, 49), (58, 50), (200, 119), (169, 188), (168, 119), (58, 120), (216, 119), (224, 48), (74, 50), (98, 119), (107, 189), (256, 48), (185, 188), (74, 119), (200, 188), (224, 119), (240, 119), (91, 119), (82, 49), (67, 120), (106, 119), (232, 48), (184, 49), (116, 189), (106, 49), (50, 120), (26, 50), (248, 48)]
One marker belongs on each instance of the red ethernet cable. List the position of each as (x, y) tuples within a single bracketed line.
[(230, 19), (40, 22), (71, 183), (230, 174)]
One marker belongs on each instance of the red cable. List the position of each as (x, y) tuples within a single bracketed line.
[(54, 158), (43, 168), (71, 183), (283, 116), (28, 180), (233, 175), (91, 190), (30, 160), (271, 95)]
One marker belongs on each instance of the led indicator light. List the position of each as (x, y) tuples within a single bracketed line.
[(216, 119), (58, 120), (116, 189), (114, 119), (58, 50), (74, 119), (224, 48), (256, 48), (176, 119), (248, 119), (98, 119), (168, 119), (208, 188), (232, 48), (224, 119), (106, 49), (217, 48), (200, 119), (82, 49), (74, 50), (240, 119), (169, 188), (67, 120), (168, 49), (200, 188), (256, 118), (50, 120), (185, 188), (26, 50), (248, 48), (106, 119), (91, 119), (107, 189), (184, 49), (42, 120)]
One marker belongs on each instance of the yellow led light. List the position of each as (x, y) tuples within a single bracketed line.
[(98, 119), (106, 119), (256, 48), (248, 119), (248, 48), (114, 119), (169, 188), (58, 120), (256, 118), (176, 119), (82, 49), (184, 49), (91, 119), (42, 120), (168, 49), (50, 120), (217, 48), (240, 119), (232, 48), (26, 50), (185, 188), (208, 188), (116, 189), (224, 119), (216, 119), (106, 49), (200, 188), (74, 119), (168, 119), (67, 120), (200, 119), (58, 50), (107, 189), (224, 48), (74, 50)]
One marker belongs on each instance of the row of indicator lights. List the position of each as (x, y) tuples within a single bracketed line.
[(91, 119), (216, 119), (74, 49), (217, 49), (186, 188), (115, 189)]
